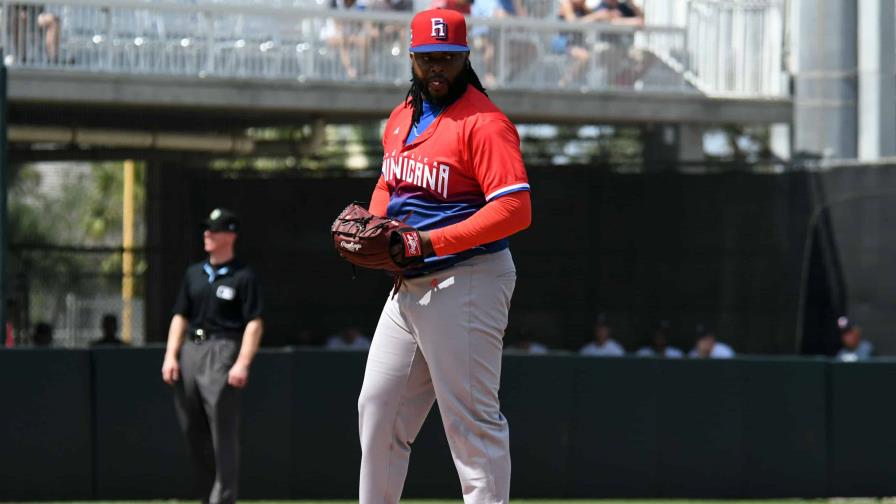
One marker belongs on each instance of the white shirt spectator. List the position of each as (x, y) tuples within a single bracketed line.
[(670, 352), (719, 351), (532, 348), (610, 348), (863, 351), (337, 342), (537, 349)]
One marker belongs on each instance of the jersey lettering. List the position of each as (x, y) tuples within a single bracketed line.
[(467, 156), (433, 177)]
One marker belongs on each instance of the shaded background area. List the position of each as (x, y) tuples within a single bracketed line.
[(728, 249), (724, 249)]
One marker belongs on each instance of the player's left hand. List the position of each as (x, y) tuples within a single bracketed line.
[(238, 375), (408, 247)]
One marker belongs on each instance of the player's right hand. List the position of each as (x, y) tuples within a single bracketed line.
[(170, 370)]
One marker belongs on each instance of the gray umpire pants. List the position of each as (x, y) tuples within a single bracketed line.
[(208, 410), (440, 338)]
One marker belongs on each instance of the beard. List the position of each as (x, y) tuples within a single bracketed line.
[(455, 89)]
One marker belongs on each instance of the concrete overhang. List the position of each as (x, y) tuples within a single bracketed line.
[(70, 95)]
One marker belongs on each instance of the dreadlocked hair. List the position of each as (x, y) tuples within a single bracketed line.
[(415, 93)]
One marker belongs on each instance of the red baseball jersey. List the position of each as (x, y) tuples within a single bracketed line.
[(469, 155)]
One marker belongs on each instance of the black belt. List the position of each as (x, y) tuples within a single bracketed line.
[(199, 335)]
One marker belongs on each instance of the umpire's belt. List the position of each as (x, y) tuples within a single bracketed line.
[(200, 335)]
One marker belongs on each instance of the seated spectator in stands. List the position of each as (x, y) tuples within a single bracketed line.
[(621, 61), (498, 8), (24, 24), (619, 12), (12, 317), (573, 43), (602, 345), (347, 37), (42, 335), (707, 347), (50, 24), (390, 5), (305, 338), (483, 44), (659, 344), (526, 343), (463, 6), (854, 347), (109, 326), (349, 338), (615, 47)]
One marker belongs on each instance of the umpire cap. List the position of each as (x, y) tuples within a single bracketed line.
[(845, 323), (221, 219)]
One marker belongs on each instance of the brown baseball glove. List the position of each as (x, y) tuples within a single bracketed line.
[(369, 241)]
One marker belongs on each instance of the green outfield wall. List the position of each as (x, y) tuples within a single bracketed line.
[(100, 424)]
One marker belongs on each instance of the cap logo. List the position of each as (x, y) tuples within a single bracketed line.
[(439, 29), (215, 214)]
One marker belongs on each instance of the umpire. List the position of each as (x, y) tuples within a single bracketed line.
[(218, 310)]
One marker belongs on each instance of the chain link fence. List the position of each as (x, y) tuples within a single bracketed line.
[(66, 254)]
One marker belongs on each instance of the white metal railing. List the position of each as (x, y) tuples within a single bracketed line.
[(736, 47), (298, 40), (665, 12)]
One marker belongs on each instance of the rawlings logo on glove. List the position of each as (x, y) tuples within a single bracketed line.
[(369, 241), (411, 241)]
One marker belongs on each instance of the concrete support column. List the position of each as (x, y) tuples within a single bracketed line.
[(660, 147), (779, 140), (690, 143), (877, 80), (824, 42)]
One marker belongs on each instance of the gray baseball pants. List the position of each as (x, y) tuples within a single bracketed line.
[(440, 338), (208, 410)]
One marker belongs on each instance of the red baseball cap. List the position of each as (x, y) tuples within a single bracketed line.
[(438, 30)]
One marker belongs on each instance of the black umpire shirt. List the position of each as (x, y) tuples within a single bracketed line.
[(222, 298)]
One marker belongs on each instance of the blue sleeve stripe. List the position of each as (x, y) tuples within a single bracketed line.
[(507, 190)]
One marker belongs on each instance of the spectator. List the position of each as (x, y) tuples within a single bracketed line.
[(620, 60), (498, 8), (349, 338), (707, 347), (481, 39), (347, 38), (390, 5), (109, 326), (24, 23), (602, 345), (573, 43), (50, 24), (854, 347), (12, 312), (43, 335), (614, 48), (619, 12), (384, 35), (463, 6), (306, 338), (659, 344), (526, 343)]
